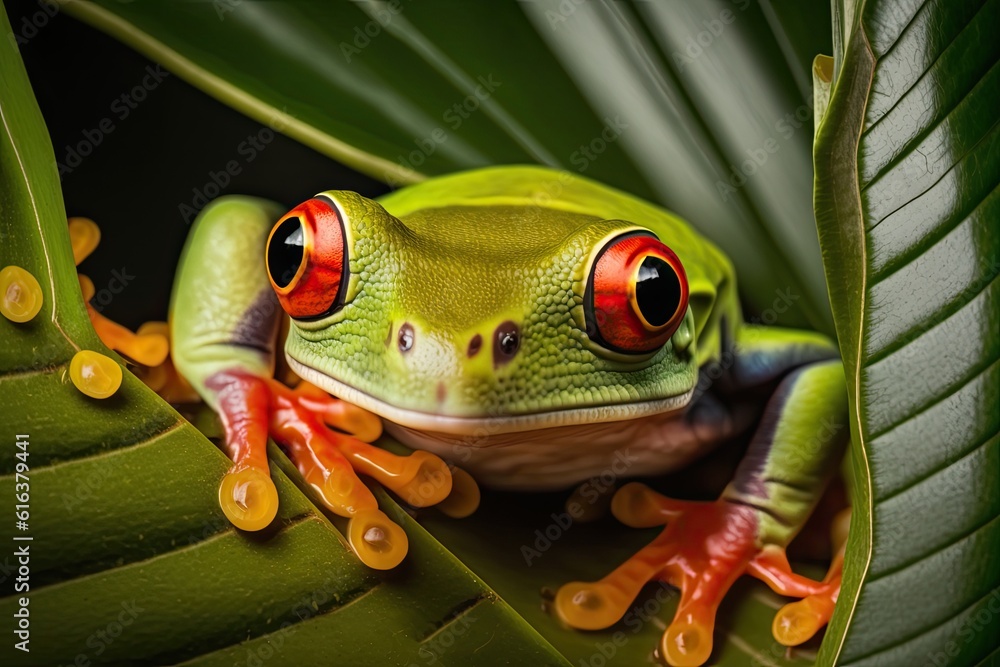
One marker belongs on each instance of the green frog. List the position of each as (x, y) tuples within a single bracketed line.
[(537, 329)]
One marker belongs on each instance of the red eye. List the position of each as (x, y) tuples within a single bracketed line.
[(637, 294), (306, 260)]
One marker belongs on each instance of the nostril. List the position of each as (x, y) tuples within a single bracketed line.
[(506, 343), (475, 345), (405, 337)]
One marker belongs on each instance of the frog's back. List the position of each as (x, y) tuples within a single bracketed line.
[(532, 209)]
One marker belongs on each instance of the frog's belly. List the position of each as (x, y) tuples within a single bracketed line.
[(555, 458)]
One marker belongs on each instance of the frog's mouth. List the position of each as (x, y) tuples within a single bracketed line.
[(489, 424)]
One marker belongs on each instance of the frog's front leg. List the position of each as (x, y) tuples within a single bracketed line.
[(225, 322), (706, 546)]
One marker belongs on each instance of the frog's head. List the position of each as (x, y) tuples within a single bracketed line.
[(490, 319)]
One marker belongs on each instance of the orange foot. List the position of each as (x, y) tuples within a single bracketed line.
[(251, 408), (705, 547)]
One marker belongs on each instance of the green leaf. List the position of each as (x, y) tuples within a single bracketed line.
[(130, 559), (669, 101), (907, 168)]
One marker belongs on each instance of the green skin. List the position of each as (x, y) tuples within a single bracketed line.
[(456, 256)]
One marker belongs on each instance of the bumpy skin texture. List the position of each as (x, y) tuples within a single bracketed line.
[(458, 259), (457, 271)]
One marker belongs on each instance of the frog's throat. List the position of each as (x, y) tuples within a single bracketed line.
[(488, 424)]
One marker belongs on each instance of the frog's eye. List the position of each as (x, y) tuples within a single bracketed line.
[(306, 260), (637, 294)]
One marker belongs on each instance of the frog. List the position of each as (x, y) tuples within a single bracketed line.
[(520, 328)]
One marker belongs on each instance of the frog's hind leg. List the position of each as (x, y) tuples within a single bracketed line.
[(703, 577), (706, 546), (797, 622)]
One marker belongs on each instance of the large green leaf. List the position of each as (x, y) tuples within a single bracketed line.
[(130, 558), (907, 167), (703, 89)]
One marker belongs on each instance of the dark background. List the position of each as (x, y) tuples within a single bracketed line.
[(135, 180)]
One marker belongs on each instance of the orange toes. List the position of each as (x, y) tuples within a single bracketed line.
[(688, 641), (638, 506), (84, 236), (704, 548), (149, 349), (797, 622), (424, 479), (363, 425), (345, 494), (464, 497), (248, 498), (86, 287), (421, 479), (591, 606), (378, 542)]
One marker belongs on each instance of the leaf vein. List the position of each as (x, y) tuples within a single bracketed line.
[(463, 609), (148, 440), (24, 373), (949, 310), (943, 175), (923, 74), (902, 32), (900, 261), (910, 146), (934, 471), (959, 385), (917, 635), (929, 554)]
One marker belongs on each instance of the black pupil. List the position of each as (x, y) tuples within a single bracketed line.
[(284, 255), (657, 291)]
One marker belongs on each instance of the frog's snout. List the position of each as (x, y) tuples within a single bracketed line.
[(446, 358)]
